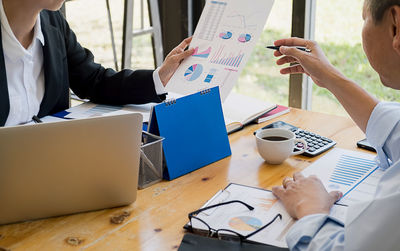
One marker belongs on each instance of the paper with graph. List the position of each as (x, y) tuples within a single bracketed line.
[(223, 41), (355, 174), (238, 218)]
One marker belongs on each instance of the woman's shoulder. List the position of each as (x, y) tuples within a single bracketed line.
[(54, 18)]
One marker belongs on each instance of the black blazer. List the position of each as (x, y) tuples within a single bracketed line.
[(68, 65)]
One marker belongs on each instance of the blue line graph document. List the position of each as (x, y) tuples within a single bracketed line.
[(223, 41), (355, 174), (365, 190)]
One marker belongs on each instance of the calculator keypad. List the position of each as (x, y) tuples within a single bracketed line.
[(316, 144)]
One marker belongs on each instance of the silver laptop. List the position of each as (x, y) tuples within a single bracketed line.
[(67, 167)]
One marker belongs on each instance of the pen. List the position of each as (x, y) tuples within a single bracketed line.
[(36, 119), (277, 48)]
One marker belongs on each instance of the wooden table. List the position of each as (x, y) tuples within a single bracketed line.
[(155, 220)]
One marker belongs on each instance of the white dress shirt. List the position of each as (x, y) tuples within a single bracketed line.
[(25, 73), (371, 225)]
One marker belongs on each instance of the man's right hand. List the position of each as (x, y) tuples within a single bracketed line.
[(324, 74), (314, 63), (305, 196)]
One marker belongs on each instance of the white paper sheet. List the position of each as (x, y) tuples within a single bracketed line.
[(88, 110), (224, 39), (51, 119)]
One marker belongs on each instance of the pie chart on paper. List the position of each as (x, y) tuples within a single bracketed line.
[(225, 35), (193, 72), (245, 223), (244, 38)]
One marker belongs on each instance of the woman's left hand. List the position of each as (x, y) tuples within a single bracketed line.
[(174, 59)]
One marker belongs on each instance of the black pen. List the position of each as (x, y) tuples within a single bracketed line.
[(36, 119), (277, 48)]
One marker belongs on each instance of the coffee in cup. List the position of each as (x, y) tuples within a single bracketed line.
[(275, 145)]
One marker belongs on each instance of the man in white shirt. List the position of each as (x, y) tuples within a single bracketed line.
[(40, 59), (371, 225)]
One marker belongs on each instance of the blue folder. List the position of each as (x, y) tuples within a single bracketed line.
[(194, 130)]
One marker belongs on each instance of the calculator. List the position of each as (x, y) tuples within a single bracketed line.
[(316, 144)]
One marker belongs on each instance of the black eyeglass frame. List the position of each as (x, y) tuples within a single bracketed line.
[(212, 232)]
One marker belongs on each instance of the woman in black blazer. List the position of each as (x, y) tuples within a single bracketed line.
[(68, 65)]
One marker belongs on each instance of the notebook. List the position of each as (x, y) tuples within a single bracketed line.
[(278, 111), (194, 130), (240, 110)]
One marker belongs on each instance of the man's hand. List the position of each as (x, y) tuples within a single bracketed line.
[(324, 74), (304, 196), (313, 63), (174, 59)]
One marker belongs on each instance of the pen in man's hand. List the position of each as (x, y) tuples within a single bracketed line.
[(277, 48), (36, 119)]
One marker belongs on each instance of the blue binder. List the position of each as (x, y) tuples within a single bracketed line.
[(194, 130)]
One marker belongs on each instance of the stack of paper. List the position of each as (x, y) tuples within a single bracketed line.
[(89, 109)]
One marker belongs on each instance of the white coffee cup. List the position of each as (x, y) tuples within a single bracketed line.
[(279, 146)]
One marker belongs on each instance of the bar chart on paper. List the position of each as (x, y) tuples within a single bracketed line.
[(350, 169), (227, 58), (342, 170)]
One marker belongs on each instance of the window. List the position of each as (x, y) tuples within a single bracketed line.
[(338, 26), (93, 32), (261, 78), (339, 34)]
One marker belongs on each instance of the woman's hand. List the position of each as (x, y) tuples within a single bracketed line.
[(313, 63), (174, 59), (304, 196)]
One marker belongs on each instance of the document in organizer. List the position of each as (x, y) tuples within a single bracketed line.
[(223, 41), (355, 174)]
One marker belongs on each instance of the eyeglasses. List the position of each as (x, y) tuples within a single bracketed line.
[(201, 227)]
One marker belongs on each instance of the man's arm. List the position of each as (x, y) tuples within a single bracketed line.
[(316, 232)]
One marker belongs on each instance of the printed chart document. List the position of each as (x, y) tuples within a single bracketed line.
[(238, 218), (223, 41), (355, 174)]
